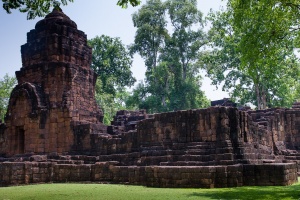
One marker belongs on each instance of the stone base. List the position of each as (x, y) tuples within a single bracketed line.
[(280, 174)]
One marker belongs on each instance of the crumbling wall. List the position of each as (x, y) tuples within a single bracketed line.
[(210, 125), (268, 134), (237, 136), (126, 120), (292, 126), (2, 139), (267, 128)]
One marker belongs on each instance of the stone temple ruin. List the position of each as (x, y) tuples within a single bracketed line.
[(53, 129)]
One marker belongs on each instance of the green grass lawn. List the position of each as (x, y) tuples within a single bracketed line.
[(124, 192)]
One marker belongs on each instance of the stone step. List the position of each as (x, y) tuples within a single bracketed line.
[(200, 151), (227, 162), (188, 163), (225, 156), (154, 160), (153, 148), (154, 153), (119, 157), (202, 158), (292, 157), (162, 152), (267, 157), (253, 161), (69, 162), (292, 152), (250, 156), (203, 145), (268, 161), (200, 143), (243, 161), (224, 150), (200, 147)]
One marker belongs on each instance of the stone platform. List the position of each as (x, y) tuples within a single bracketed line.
[(90, 169)]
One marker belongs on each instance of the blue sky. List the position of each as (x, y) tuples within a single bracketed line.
[(94, 17)]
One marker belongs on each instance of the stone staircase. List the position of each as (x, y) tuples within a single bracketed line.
[(293, 157), (190, 154)]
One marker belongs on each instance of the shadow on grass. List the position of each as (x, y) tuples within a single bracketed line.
[(256, 192)]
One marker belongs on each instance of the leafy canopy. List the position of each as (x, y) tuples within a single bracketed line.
[(265, 75), (265, 24), (40, 8), (172, 77), (33, 8), (112, 62), (110, 103)]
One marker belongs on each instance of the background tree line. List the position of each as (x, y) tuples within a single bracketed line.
[(248, 50)]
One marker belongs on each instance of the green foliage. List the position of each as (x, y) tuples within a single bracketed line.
[(42, 7), (33, 8), (172, 77), (7, 83), (124, 3), (140, 99), (265, 25), (111, 61), (110, 103), (130, 192), (150, 22), (265, 77), (269, 32)]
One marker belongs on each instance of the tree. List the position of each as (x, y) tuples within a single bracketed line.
[(6, 86), (110, 103), (141, 99), (279, 17), (172, 76), (271, 79), (183, 48), (150, 22), (265, 24), (270, 31), (42, 7), (111, 61)]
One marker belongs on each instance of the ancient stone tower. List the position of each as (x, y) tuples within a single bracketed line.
[(53, 105)]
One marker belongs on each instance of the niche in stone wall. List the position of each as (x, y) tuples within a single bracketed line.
[(20, 140)]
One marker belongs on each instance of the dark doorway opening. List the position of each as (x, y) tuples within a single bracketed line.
[(20, 140)]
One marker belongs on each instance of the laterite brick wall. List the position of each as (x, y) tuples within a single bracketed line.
[(154, 176)]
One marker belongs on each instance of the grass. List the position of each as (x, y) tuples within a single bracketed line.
[(126, 192)]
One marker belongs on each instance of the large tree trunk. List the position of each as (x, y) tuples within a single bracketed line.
[(264, 99), (164, 104), (257, 92), (260, 97), (184, 73)]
